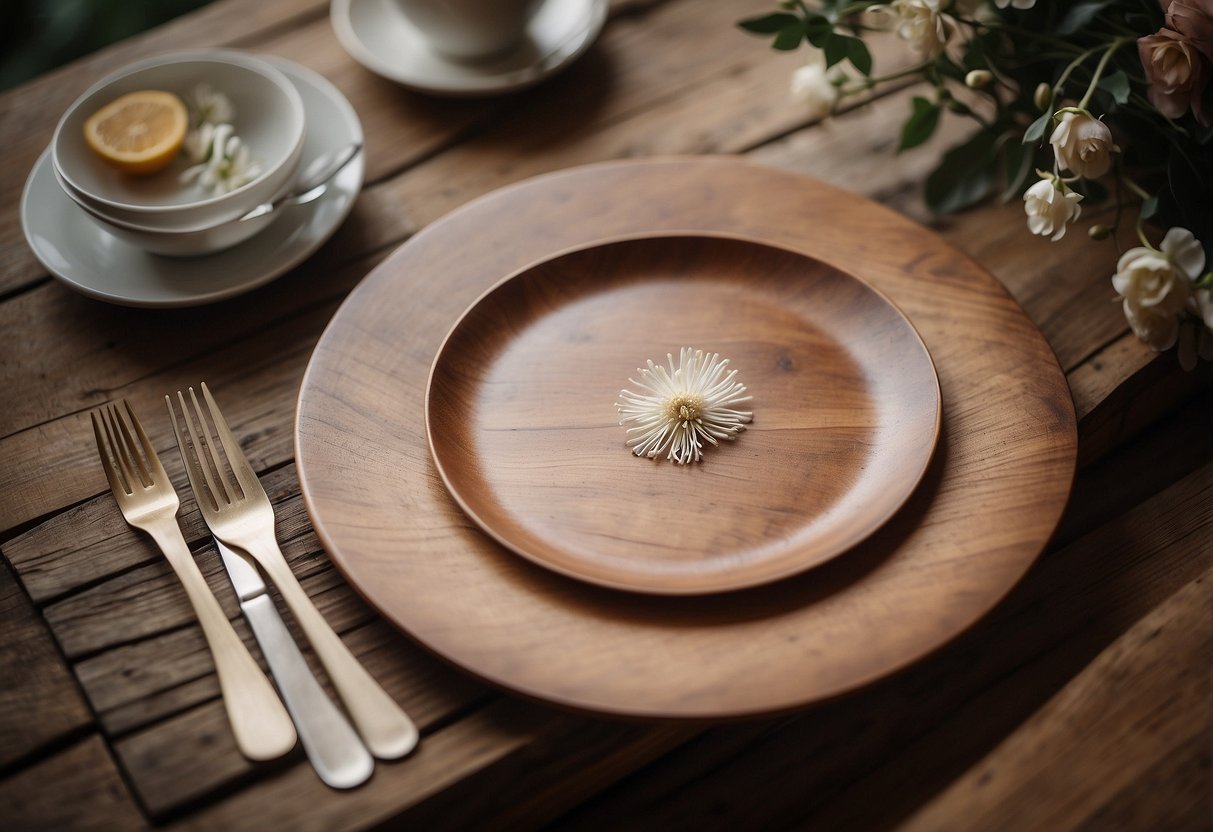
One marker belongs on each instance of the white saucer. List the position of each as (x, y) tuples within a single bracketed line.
[(378, 35), (94, 263)]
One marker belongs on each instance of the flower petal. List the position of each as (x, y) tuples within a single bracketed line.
[(1185, 251)]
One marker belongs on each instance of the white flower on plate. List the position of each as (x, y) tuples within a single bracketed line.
[(1051, 206), (1156, 285), (921, 24), (227, 166), (682, 407), (209, 106), (815, 88), (1082, 144)]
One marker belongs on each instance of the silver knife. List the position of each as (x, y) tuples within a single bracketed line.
[(330, 742)]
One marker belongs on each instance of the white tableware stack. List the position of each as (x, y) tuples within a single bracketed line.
[(159, 212)]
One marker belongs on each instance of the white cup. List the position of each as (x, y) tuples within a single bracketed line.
[(470, 29)]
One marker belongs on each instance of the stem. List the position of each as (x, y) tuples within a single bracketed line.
[(1027, 33), (1120, 207), (1103, 63), (1059, 87), (1135, 188), (866, 84), (1141, 235)]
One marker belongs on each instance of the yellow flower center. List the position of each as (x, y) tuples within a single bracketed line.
[(684, 407)]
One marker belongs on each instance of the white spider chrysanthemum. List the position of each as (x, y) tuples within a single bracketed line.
[(683, 407)]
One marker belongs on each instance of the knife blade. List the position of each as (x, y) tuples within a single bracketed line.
[(330, 742)]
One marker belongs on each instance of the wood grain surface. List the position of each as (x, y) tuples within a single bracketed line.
[(986, 509), (127, 730), (521, 420)]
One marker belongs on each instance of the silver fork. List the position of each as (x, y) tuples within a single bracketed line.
[(148, 501), (240, 514)]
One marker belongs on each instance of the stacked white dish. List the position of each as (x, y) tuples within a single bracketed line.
[(157, 212)]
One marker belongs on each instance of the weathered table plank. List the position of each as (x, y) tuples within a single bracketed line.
[(192, 753), (40, 703), (1125, 745), (78, 789)]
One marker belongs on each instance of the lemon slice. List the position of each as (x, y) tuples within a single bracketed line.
[(140, 132)]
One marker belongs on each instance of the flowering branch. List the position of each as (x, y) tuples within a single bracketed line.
[(1052, 78)]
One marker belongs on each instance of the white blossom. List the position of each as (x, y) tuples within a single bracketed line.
[(1082, 144), (1201, 305), (813, 87), (228, 165), (921, 24), (1156, 285), (682, 407), (209, 106), (1050, 207), (198, 142)]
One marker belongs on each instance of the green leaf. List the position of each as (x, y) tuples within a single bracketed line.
[(1079, 15), (817, 29), (835, 49), (859, 56), (1037, 128), (920, 125), (768, 24), (1117, 85), (789, 37), (964, 177)]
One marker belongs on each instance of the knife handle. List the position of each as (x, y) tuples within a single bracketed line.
[(383, 725), (332, 746)]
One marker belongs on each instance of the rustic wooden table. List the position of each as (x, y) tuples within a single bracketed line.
[(1083, 700)]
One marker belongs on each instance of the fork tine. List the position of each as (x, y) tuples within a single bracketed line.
[(103, 449), (132, 453), (118, 453), (235, 454), (213, 456), (204, 465), (188, 455), (156, 467)]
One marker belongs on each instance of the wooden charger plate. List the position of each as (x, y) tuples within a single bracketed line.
[(987, 506), (522, 425)]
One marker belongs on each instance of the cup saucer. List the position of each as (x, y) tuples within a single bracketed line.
[(380, 37), (93, 262)]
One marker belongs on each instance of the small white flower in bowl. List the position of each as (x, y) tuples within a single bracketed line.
[(226, 167)]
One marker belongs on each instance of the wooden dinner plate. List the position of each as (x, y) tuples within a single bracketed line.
[(989, 502), (523, 428)]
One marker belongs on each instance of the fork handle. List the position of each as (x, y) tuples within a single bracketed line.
[(383, 725), (262, 727)]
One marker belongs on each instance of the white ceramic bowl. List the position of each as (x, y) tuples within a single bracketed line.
[(188, 242), (269, 119)]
